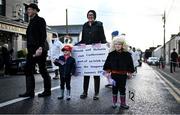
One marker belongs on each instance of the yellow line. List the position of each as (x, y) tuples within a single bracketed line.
[(176, 89), (170, 76), (170, 88)]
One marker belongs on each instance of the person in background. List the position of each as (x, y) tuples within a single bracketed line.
[(174, 57), (37, 47), (135, 57), (55, 52), (119, 65), (67, 66), (92, 33), (140, 57), (6, 58), (161, 62)]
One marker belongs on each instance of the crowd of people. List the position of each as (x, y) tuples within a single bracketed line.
[(65, 64), (120, 65)]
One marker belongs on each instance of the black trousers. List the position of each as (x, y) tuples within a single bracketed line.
[(173, 66), (119, 84), (65, 80), (96, 84), (29, 72)]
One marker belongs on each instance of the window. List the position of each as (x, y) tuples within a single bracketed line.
[(2, 7)]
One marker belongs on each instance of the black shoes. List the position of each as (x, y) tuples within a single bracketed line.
[(96, 97), (108, 85), (44, 94), (56, 77), (60, 98), (124, 106), (83, 96), (27, 95)]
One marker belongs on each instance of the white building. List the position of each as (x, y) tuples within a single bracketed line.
[(174, 42)]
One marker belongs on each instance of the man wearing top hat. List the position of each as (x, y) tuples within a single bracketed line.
[(37, 47)]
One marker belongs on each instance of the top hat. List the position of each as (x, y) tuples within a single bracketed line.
[(34, 6)]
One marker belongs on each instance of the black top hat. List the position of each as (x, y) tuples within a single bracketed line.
[(34, 6)]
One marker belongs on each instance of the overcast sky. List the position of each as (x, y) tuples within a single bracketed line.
[(140, 20)]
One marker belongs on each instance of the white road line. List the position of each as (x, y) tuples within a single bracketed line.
[(170, 89), (21, 99)]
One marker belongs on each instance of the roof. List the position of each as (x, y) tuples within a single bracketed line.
[(9, 21), (157, 48), (72, 29)]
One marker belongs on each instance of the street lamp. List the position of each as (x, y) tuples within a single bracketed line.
[(164, 26)]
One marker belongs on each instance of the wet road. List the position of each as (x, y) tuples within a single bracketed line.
[(151, 96)]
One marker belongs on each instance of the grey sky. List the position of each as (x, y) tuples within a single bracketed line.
[(141, 20)]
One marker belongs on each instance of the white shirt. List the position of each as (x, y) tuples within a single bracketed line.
[(135, 57), (55, 49)]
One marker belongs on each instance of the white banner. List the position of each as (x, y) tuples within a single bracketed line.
[(90, 59)]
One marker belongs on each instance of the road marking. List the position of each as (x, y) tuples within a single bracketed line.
[(170, 87), (176, 89), (170, 77), (22, 98)]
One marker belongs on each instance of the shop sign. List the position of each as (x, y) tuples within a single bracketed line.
[(11, 28)]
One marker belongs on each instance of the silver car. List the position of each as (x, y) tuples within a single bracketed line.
[(153, 61)]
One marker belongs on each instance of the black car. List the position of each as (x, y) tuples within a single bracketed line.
[(17, 66)]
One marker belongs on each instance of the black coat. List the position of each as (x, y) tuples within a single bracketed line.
[(5, 56), (36, 35), (119, 62), (93, 34), (174, 56), (66, 67)]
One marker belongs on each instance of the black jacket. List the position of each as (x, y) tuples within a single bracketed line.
[(93, 34), (174, 56), (66, 67), (119, 62), (5, 55), (36, 35)]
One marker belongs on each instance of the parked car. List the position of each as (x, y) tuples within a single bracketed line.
[(17, 66), (153, 60)]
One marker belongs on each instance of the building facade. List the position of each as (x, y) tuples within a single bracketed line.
[(174, 42), (13, 24)]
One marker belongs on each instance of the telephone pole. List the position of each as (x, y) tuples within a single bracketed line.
[(164, 26), (66, 22)]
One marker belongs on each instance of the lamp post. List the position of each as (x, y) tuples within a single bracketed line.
[(164, 26)]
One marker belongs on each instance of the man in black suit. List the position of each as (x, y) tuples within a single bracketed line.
[(37, 47)]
